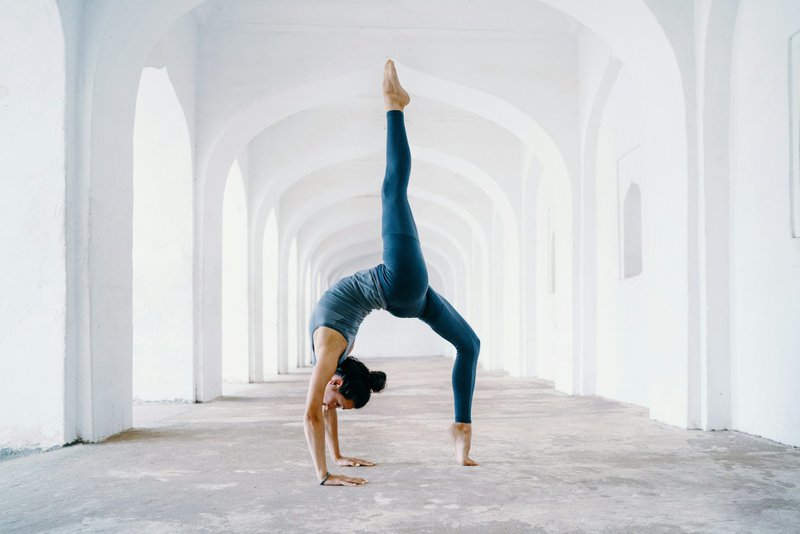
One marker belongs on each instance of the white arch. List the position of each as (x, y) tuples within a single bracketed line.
[(555, 353), (385, 334), (114, 59), (320, 255), (710, 388), (350, 235), (437, 239), (473, 173), (272, 108), (292, 291), (584, 338), (313, 206), (480, 285), (163, 336), (468, 278), (269, 329), (432, 230), (262, 113), (295, 173), (113, 51), (508, 343), (640, 43), (321, 237), (235, 361)]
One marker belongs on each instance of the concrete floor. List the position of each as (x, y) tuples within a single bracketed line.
[(549, 463)]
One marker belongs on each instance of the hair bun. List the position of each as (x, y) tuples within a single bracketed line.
[(377, 380)]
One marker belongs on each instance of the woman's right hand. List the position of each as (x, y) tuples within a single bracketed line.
[(342, 480)]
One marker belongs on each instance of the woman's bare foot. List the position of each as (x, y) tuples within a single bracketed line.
[(394, 96), (462, 439)]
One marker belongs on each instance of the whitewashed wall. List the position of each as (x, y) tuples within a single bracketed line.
[(235, 366), (765, 260), (623, 313), (32, 207), (162, 244), (382, 334), (163, 339)]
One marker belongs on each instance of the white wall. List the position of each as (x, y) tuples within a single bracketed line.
[(163, 166), (32, 205), (348, 140), (554, 240), (270, 297), (382, 334), (235, 367), (162, 244), (110, 44), (598, 70), (623, 313), (294, 325), (765, 260)]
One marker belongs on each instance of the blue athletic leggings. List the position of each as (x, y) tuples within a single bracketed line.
[(404, 277)]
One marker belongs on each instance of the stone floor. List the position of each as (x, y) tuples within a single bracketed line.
[(549, 463)]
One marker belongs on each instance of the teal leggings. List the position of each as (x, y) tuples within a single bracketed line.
[(404, 277)]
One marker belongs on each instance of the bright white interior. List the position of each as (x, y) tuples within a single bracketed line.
[(605, 192)]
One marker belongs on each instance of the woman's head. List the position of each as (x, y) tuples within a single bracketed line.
[(353, 382)]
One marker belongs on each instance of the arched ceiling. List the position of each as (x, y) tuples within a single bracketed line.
[(315, 129), (510, 62)]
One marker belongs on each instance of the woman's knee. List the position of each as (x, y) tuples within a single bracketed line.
[(476, 345), (470, 346)]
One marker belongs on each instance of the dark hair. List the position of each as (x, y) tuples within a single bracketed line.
[(357, 381)]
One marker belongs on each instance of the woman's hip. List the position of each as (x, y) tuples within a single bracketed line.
[(403, 289)]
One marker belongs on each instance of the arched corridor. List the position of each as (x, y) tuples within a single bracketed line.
[(609, 195)]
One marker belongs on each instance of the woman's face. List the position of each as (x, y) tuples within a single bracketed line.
[(332, 399)]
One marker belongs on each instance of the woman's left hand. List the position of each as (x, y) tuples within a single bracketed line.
[(353, 462)]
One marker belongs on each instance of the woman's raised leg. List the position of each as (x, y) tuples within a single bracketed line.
[(397, 217), (404, 276)]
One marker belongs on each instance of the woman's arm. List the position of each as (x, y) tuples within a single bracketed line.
[(332, 432), (332, 438), (313, 423)]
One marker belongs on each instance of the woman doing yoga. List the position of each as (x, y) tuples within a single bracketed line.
[(398, 285)]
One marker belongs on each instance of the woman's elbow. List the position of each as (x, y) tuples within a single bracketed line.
[(312, 417)]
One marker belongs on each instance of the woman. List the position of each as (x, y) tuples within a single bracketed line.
[(398, 285)]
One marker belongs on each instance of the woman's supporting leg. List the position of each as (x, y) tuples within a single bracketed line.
[(440, 315)]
